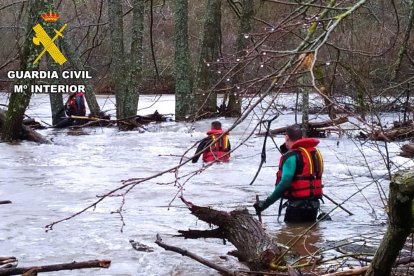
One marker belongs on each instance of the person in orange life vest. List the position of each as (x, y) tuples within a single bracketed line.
[(75, 105), (299, 179), (219, 149)]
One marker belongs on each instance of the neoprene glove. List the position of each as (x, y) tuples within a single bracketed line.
[(259, 206), (283, 148)]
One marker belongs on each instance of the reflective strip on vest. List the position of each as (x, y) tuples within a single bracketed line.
[(308, 183), (318, 153), (219, 144), (309, 158)]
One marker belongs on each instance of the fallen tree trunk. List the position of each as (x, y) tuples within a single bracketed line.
[(313, 126), (254, 246), (56, 267), (27, 133)]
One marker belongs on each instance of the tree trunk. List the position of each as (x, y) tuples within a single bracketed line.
[(254, 246), (206, 98), (403, 49), (117, 55), (12, 127), (183, 85), (400, 223), (77, 64), (135, 61), (235, 101), (56, 99)]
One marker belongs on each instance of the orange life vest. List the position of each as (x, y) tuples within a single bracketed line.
[(219, 149), (307, 181)]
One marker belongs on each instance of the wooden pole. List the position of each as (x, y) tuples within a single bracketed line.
[(337, 204)]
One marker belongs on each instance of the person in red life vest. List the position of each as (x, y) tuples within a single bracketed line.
[(299, 179), (214, 147), (75, 105)]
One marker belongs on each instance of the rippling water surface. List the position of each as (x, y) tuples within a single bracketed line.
[(50, 182)]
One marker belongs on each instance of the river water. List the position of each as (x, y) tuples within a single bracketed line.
[(50, 182)]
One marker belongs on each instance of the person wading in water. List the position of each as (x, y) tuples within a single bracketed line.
[(299, 179)]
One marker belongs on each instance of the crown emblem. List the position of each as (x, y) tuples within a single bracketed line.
[(50, 16)]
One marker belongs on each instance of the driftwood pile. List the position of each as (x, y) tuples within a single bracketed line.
[(29, 125), (137, 121), (399, 131)]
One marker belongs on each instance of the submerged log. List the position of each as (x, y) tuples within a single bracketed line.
[(56, 267), (27, 133), (400, 223), (254, 246), (407, 150), (8, 262), (314, 127)]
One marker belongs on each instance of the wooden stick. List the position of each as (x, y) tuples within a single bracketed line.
[(259, 214), (57, 267), (193, 256), (337, 204)]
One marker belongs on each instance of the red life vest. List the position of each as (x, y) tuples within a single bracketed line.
[(307, 181), (219, 149), (76, 105)]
